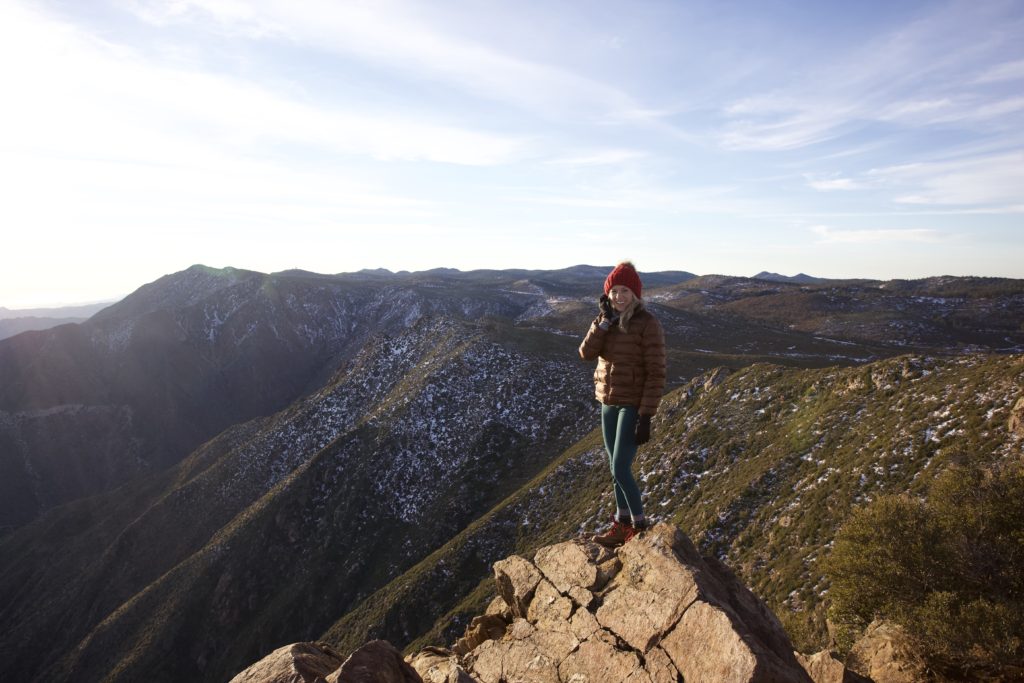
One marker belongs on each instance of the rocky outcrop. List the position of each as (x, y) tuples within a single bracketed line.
[(376, 662), (653, 610), (883, 655), (1016, 424), (824, 667), (488, 626), (437, 665), (715, 377), (296, 663)]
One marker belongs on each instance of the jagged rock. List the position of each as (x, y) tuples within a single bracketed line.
[(855, 384), (499, 606), (598, 659), (666, 613), (717, 376), (295, 663), (660, 667), (483, 628), (376, 662), (517, 579), (885, 376), (524, 654), (571, 564), (883, 655), (1016, 424), (649, 595), (437, 665), (548, 604), (823, 667)]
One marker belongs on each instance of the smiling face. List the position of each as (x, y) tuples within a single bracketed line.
[(621, 296)]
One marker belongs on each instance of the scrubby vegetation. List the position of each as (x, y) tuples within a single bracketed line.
[(948, 568)]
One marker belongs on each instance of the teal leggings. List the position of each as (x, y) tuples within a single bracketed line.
[(618, 424)]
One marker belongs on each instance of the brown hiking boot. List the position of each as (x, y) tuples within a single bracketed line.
[(615, 536), (633, 531)]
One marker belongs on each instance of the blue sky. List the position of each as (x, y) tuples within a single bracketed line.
[(869, 139)]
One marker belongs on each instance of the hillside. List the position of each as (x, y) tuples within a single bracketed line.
[(963, 314), (85, 408)]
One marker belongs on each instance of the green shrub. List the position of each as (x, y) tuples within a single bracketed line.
[(949, 569)]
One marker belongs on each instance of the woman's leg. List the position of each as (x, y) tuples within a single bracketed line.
[(609, 429), (619, 428)]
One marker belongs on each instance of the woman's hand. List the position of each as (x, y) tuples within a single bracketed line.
[(643, 430), (608, 316)]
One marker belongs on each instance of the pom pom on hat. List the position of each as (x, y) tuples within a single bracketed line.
[(624, 274)]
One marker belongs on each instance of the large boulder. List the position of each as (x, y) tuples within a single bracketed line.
[(654, 610), (884, 655), (437, 665), (824, 667), (376, 662), (295, 663), (517, 578)]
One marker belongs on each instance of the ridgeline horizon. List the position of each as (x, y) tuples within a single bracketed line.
[(49, 309)]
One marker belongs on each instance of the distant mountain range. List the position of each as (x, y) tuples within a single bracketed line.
[(16, 321), (79, 311), (227, 461), (799, 278)]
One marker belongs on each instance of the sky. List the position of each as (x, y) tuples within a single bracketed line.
[(869, 139)]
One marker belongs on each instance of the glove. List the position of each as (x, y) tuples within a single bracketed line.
[(608, 315), (643, 430)]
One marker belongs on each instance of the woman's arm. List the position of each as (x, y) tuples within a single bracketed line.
[(593, 343), (653, 347)]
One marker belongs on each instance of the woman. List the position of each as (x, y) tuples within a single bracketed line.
[(629, 345)]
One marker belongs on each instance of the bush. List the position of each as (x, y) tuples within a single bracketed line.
[(949, 569)]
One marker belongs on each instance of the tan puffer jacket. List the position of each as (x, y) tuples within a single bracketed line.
[(631, 365)]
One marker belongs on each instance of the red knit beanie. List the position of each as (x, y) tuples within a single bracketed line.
[(624, 274)]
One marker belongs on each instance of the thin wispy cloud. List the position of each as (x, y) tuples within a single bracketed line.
[(600, 157), (1007, 71), (828, 235), (398, 35), (830, 184), (125, 106), (919, 74), (984, 180)]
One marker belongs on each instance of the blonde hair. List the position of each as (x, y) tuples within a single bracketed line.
[(637, 304)]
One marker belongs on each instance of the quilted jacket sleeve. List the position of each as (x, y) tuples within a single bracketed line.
[(593, 343), (653, 346)]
